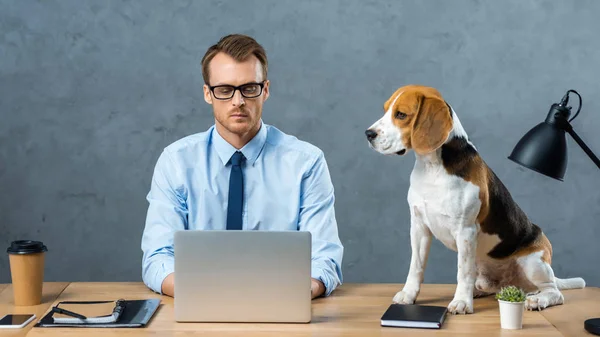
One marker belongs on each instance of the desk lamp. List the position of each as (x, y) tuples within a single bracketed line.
[(544, 150)]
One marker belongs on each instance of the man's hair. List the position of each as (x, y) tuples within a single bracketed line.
[(240, 48)]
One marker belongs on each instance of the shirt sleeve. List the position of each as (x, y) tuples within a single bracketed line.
[(167, 213), (317, 215)]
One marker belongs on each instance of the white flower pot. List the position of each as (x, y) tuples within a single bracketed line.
[(511, 314)]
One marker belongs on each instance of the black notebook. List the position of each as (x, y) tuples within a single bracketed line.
[(414, 316), (132, 314)]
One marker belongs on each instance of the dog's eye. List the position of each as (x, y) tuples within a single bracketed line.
[(400, 115)]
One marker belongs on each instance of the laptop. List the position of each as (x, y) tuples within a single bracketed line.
[(242, 276)]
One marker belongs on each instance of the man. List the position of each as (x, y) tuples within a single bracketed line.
[(240, 174)]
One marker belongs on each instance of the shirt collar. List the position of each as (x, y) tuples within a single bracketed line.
[(251, 150)]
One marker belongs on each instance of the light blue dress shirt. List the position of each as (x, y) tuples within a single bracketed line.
[(287, 186)]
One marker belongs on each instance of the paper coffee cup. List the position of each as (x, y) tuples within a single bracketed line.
[(27, 271)]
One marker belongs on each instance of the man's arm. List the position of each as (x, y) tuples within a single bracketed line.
[(317, 215), (167, 213)]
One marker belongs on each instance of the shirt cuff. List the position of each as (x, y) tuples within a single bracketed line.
[(320, 273), (162, 271)]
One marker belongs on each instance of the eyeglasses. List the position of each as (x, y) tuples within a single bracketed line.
[(248, 90)]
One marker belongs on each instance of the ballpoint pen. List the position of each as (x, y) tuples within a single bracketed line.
[(67, 312)]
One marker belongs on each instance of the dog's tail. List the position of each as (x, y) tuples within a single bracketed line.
[(569, 283)]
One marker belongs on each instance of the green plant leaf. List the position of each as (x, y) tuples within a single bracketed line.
[(511, 294)]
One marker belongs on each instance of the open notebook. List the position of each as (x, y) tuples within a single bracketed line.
[(88, 312)]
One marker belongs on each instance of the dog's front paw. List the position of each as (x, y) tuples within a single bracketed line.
[(405, 297), (541, 301), (536, 303), (460, 307)]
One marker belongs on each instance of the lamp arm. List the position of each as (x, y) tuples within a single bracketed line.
[(585, 148)]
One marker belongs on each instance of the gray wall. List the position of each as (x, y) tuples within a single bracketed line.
[(91, 92)]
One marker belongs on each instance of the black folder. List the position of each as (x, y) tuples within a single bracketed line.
[(136, 314)]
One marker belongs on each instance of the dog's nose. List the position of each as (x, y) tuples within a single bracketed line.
[(370, 134)]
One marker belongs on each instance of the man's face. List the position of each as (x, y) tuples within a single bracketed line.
[(237, 115)]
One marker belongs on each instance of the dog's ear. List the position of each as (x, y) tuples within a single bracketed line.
[(432, 125)]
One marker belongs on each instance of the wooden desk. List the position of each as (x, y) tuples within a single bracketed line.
[(352, 310), (50, 292)]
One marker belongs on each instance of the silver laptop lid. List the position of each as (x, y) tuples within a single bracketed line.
[(242, 276)]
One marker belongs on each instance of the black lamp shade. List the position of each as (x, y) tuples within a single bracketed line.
[(544, 150)]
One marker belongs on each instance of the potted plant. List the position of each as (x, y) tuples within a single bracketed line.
[(512, 305)]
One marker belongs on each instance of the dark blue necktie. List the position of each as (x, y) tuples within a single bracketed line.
[(236, 193)]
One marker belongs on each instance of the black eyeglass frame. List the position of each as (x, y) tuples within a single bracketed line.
[(238, 88)]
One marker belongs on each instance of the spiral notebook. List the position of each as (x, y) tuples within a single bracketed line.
[(74, 312), (101, 314)]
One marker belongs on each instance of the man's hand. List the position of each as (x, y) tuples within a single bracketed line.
[(317, 288), (168, 285)]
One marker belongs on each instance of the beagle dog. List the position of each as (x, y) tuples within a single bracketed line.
[(455, 197)]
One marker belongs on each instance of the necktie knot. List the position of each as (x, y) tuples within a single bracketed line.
[(236, 159)]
